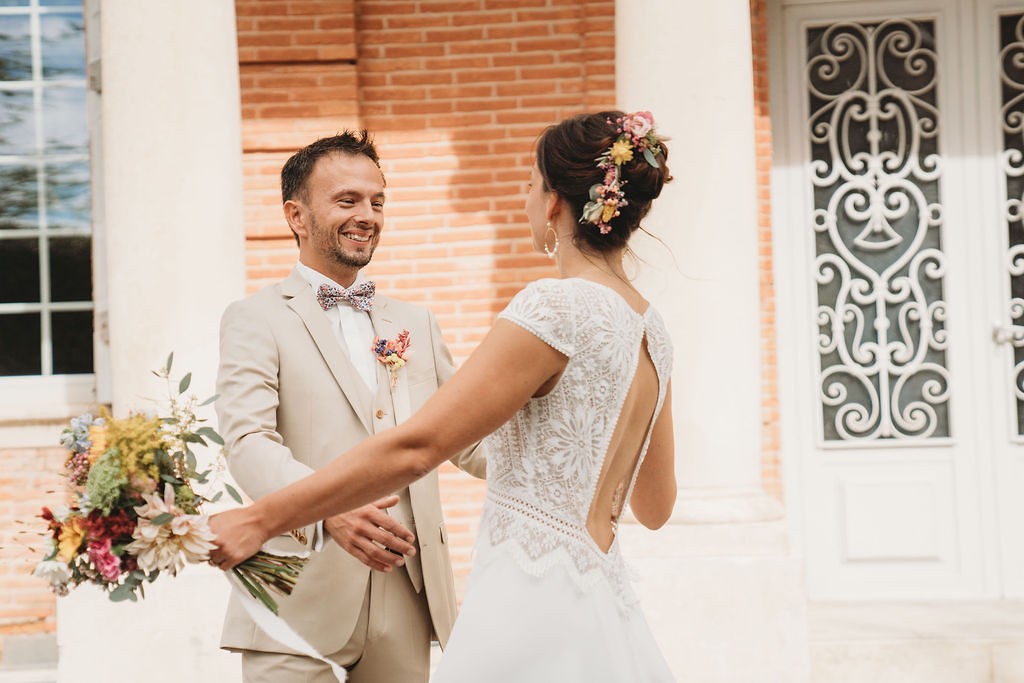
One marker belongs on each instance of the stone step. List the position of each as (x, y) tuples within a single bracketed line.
[(935, 642), (28, 676)]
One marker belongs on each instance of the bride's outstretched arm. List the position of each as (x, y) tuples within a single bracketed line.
[(508, 367)]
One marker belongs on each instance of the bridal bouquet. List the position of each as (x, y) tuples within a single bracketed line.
[(135, 505)]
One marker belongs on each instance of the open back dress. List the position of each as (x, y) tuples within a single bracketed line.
[(545, 602)]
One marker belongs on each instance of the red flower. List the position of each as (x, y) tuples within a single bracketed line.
[(52, 525), (117, 526)]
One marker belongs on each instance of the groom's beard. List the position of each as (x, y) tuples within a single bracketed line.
[(331, 244)]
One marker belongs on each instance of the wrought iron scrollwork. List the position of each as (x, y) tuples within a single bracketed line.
[(877, 218), (1011, 76)]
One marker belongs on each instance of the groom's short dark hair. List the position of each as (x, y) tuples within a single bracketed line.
[(297, 169)]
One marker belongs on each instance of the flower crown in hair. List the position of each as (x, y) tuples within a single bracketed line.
[(635, 133)]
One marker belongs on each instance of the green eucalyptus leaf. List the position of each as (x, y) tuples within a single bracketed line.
[(123, 592), (212, 435), (185, 381), (167, 365), (209, 400), (233, 493), (161, 519), (216, 496), (649, 156)]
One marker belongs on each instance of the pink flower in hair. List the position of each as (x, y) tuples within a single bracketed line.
[(639, 124)]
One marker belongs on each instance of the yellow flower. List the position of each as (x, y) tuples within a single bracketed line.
[(622, 151), (98, 437), (608, 213), (137, 438), (72, 532)]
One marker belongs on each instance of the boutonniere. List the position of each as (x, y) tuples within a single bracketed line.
[(393, 353)]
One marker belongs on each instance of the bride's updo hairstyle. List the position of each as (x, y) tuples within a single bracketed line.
[(578, 157)]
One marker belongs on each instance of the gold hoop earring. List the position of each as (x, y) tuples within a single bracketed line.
[(550, 251)]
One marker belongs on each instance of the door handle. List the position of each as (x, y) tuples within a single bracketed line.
[(1008, 334)]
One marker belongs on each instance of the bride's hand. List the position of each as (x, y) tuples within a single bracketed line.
[(238, 538)]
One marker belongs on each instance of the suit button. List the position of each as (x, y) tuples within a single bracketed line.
[(380, 413)]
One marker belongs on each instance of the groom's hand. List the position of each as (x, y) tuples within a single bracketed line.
[(372, 536)]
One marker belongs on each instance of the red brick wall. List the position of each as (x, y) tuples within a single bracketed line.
[(771, 474), (29, 479), (456, 93)]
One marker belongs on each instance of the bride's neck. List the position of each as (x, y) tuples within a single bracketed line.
[(573, 262)]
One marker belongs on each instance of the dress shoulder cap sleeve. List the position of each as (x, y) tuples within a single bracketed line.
[(545, 309)]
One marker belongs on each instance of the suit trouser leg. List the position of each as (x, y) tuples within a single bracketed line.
[(276, 667), (390, 643), (397, 646)]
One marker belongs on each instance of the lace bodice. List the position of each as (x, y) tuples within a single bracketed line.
[(545, 462)]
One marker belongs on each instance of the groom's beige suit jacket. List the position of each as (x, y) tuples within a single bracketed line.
[(290, 402)]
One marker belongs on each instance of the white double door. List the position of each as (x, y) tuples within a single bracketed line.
[(897, 222)]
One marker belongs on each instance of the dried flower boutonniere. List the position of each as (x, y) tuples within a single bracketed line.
[(393, 353)]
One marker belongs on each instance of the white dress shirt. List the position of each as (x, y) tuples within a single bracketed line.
[(352, 328), (354, 332)]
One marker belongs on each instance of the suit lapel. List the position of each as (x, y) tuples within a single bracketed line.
[(301, 300)]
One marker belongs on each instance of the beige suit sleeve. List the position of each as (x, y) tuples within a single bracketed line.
[(473, 460), (247, 384)]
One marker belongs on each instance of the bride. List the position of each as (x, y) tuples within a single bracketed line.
[(572, 387)]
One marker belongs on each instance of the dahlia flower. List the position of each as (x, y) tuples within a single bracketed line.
[(168, 544)]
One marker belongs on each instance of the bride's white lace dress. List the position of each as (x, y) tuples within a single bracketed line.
[(544, 602)]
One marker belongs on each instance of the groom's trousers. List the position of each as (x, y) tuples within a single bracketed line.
[(390, 643)]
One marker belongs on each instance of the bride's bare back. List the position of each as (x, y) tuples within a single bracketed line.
[(631, 431)]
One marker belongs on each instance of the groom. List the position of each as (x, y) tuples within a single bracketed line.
[(299, 384)]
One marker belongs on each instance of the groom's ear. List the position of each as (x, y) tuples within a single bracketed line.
[(296, 217)]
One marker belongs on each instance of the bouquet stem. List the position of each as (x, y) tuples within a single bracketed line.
[(263, 571)]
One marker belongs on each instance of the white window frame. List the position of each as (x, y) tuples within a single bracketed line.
[(29, 404)]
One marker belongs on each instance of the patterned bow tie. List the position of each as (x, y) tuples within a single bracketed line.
[(360, 297)]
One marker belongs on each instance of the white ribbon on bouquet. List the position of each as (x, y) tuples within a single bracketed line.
[(277, 628)]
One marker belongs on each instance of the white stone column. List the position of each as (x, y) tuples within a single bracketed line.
[(720, 587), (171, 199)]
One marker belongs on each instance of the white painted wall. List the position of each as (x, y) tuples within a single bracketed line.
[(695, 74), (721, 590), (172, 200)]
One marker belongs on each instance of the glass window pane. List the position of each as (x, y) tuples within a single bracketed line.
[(67, 195), (64, 120), (15, 48), (19, 197), (70, 269), (72, 342), (19, 271), (14, 3), (63, 45), (17, 121), (59, 3), (19, 344)]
